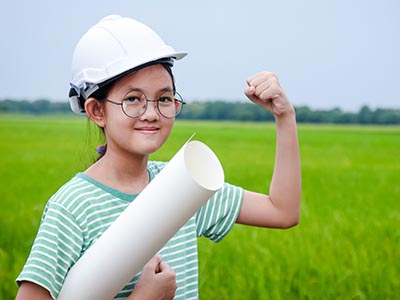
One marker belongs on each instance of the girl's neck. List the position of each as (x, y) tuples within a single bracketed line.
[(126, 174)]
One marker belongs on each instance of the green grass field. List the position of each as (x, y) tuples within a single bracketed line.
[(347, 245)]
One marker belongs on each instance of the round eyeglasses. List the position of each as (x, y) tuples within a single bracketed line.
[(135, 103)]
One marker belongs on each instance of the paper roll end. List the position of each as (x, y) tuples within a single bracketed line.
[(204, 166)]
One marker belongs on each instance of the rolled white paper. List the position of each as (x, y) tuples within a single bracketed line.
[(190, 178)]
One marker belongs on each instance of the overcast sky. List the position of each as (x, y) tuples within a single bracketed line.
[(337, 53)]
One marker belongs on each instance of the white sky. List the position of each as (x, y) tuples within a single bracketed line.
[(337, 53)]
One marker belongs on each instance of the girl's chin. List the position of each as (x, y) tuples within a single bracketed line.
[(148, 149)]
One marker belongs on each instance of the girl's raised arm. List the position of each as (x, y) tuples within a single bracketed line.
[(281, 208)]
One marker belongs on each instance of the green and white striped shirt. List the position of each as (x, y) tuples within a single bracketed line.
[(81, 210)]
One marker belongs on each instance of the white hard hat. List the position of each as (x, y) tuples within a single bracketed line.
[(111, 48)]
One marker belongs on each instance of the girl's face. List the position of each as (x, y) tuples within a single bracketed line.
[(148, 132)]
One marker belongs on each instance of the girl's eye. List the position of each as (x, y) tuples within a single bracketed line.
[(165, 100), (133, 99)]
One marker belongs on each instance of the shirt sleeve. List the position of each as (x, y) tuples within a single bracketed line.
[(217, 217), (56, 248)]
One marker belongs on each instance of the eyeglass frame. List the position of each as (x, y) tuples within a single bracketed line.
[(146, 105)]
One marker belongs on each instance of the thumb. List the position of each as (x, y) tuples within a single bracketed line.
[(250, 92), (153, 264), (163, 266)]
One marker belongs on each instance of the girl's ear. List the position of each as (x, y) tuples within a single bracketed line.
[(95, 111)]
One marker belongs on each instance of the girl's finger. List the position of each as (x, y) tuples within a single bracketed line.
[(261, 77)]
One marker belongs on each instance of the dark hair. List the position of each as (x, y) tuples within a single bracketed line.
[(101, 95)]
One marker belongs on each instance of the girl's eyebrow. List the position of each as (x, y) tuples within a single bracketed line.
[(166, 89), (136, 89)]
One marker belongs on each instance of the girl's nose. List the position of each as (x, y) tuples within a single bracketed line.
[(151, 113)]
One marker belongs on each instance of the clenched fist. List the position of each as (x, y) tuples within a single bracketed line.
[(156, 283), (264, 89)]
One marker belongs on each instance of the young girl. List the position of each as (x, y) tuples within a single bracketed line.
[(122, 80)]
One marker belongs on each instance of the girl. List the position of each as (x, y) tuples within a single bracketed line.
[(122, 80)]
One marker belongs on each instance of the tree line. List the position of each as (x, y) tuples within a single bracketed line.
[(223, 110)]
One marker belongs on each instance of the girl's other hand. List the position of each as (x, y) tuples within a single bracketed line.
[(157, 281)]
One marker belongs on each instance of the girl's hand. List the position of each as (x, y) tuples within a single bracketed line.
[(264, 90), (156, 283)]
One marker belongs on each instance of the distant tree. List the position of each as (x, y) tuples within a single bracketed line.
[(386, 116), (365, 115), (346, 118), (41, 107)]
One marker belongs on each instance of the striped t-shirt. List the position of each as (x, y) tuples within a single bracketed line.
[(81, 210)]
